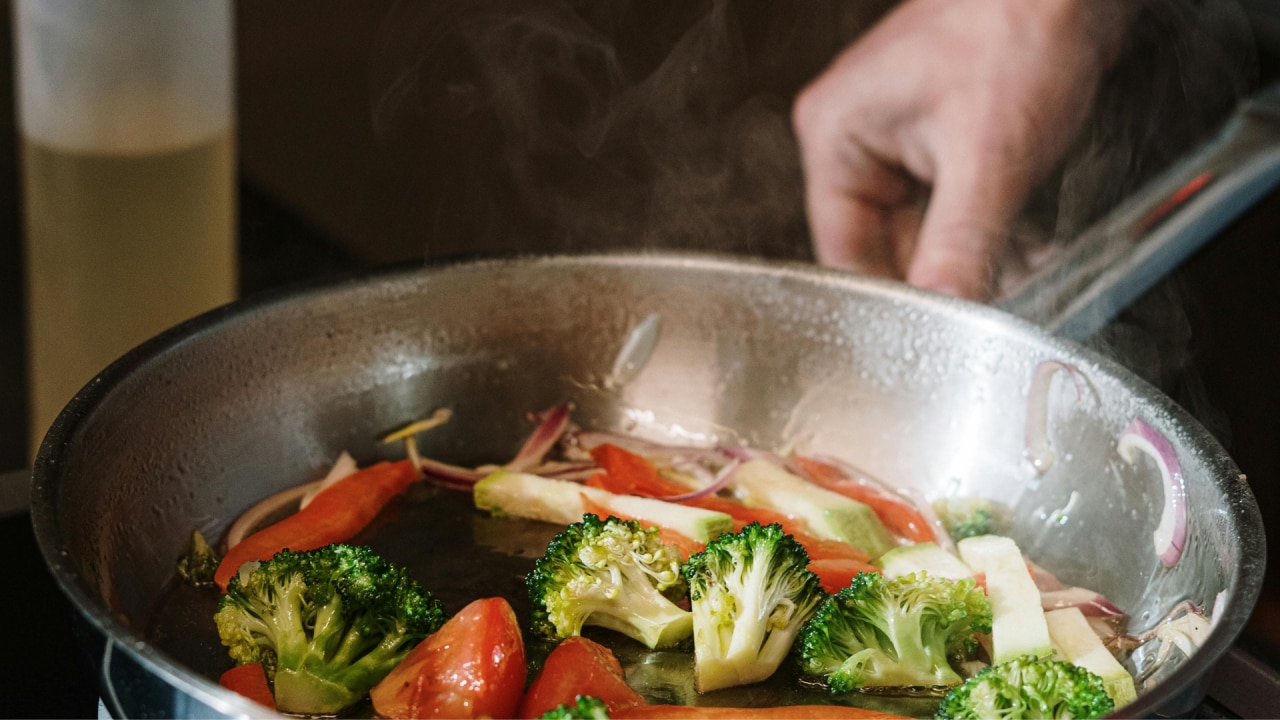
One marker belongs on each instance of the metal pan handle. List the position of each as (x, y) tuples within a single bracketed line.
[(1147, 236)]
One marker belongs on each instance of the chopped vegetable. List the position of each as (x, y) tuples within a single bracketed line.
[(578, 667), (613, 574), (584, 707), (1078, 644), (898, 516), (249, 680), (1028, 687), (1171, 534), (560, 501), (898, 633), (335, 516), (966, 517), (835, 574), (199, 563), (1017, 625), (750, 592), (827, 514), (782, 712), (326, 624), (472, 667)]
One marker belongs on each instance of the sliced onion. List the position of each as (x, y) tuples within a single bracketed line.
[(251, 519), (554, 422), (454, 476), (1089, 602), (345, 466), (721, 480), (1170, 535), (1037, 450)]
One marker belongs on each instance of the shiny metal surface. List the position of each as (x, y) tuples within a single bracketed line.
[(924, 391), (1126, 252)]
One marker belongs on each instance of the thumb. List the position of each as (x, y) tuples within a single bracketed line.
[(966, 227)]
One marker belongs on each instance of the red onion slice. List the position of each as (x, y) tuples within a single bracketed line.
[(1089, 602), (1037, 450), (721, 480), (554, 422), (1170, 535), (453, 476)]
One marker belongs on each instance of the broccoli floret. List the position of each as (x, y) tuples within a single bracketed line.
[(585, 707), (1028, 688), (750, 592), (894, 633), (968, 517), (327, 624), (613, 574), (198, 564)]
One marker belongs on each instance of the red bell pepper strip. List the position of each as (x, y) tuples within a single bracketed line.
[(249, 680), (578, 666), (627, 473), (472, 667), (335, 515), (898, 516)]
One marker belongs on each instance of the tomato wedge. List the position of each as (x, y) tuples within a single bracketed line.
[(473, 666), (578, 666), (835, 574), (249, 680), (335, 515)]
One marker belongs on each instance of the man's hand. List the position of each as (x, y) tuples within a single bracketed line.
[(922, 140)]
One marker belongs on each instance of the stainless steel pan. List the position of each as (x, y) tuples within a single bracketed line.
[(928, 392)]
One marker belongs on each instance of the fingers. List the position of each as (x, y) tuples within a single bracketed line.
[(852, 196), (975, 198)]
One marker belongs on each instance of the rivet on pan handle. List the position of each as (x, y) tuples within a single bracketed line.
[(1146, 237)]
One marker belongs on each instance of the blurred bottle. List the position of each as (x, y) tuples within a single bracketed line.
[(125, 112)]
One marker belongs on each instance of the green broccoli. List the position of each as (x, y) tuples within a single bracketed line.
[(750, 592), (902, 632), (968, 517), (198, 564), (613, 574), (327, 624), (585, 707), (1028, 688)]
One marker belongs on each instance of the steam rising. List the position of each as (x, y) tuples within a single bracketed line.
[(570, 125), (547, 125)]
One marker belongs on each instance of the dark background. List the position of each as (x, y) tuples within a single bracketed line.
[(338, 173)]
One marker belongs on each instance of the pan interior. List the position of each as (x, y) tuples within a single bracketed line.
[(922, 392)]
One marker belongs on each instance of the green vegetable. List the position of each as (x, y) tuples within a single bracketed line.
[(750, 592), (1017, 620), (828, 515), (967, 517), (586, 707), (1028, 687), (902, 632), (198, 564), (327, 624), (922, 557), (609, 573)]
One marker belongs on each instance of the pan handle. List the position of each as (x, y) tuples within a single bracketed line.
[(1127, 251)]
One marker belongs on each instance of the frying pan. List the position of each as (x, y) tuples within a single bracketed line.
[(928, 392)]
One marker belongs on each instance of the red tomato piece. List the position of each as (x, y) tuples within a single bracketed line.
[(578, 666), (473, 666), (249, 680)]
